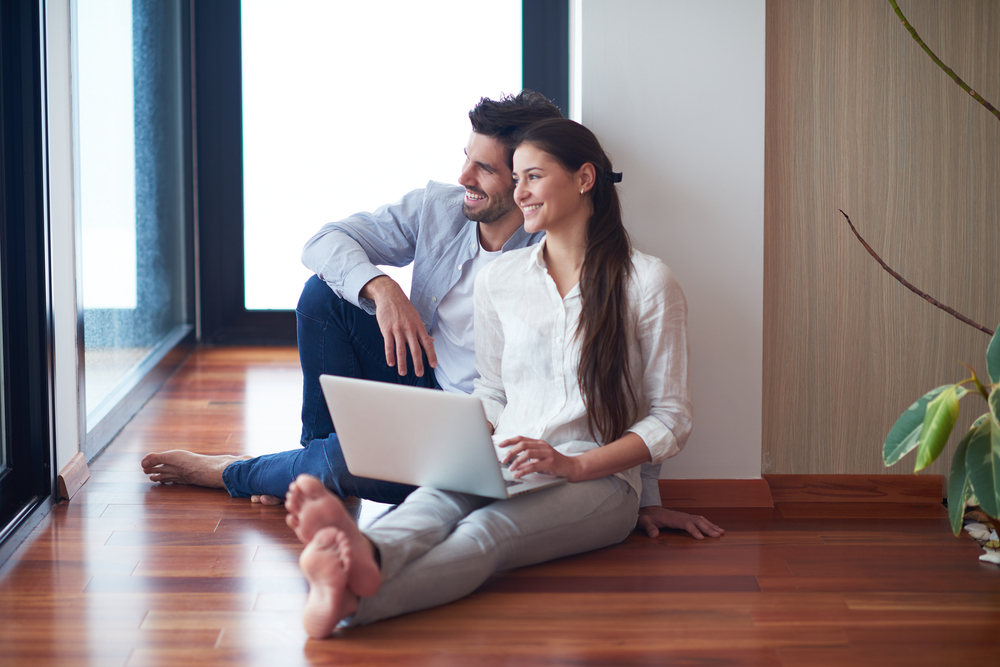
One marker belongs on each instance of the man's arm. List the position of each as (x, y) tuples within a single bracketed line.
[(343, 254)]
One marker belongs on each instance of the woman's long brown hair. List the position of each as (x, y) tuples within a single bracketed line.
[(608, 389)]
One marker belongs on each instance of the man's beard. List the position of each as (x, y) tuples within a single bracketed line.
[(498, 208)]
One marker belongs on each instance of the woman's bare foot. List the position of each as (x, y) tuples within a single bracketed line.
[(265, 499), (326, 563), (182, 467), (311, 508)]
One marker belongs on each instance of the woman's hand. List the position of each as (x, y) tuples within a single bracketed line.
[(528, 455), (652, 518)]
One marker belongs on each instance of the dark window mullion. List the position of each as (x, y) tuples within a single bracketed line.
[(26, 313)]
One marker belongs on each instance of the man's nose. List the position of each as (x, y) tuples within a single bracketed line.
[(465, 178)]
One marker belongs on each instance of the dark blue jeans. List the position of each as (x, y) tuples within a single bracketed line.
[(335, 337)]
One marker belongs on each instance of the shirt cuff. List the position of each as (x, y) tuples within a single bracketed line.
[(661, 442), (355, 280)]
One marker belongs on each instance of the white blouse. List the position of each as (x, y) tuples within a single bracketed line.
[(527, 356)]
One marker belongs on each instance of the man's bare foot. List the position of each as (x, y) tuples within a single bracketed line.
[(265, 499), (326, 563), (182, 467), (311, 508)]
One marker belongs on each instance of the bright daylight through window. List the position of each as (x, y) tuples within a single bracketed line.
[(348, 106)]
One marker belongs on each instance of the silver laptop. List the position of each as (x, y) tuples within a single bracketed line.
[(423, 437)]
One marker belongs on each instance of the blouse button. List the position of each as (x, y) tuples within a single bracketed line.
[(434, 299)]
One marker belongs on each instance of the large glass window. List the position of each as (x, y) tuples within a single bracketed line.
[(348, 106), (130, 122)]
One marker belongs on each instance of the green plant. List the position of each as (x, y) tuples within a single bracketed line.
[(926, 425)]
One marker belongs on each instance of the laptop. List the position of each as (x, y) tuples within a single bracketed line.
[(423, 437)]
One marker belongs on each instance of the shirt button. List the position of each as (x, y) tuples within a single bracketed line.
[(558, 339), (458, 268), (434, 299)]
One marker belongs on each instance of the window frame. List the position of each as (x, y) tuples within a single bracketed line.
[(28, 483), (224, 320)]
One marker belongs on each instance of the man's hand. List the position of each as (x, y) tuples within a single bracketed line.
[(400, 325), (652, 518)]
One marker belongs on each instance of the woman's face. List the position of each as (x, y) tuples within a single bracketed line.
[(549, 196)]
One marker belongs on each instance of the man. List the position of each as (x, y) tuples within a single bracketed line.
[(355, 321)]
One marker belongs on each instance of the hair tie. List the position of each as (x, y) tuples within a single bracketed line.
[(613, 176)]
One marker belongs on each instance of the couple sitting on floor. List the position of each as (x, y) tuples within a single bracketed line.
[(576, 345)]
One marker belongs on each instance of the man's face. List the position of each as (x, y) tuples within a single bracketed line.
[(489, 188)]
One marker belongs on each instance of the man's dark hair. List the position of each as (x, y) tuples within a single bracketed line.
[(503, 119)]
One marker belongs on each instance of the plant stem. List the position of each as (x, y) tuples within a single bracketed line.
[(947, 70), (923, 295), (975, 379)]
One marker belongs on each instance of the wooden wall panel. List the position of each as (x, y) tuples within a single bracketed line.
[(859, 118)]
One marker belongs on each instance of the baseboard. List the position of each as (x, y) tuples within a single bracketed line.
[(73, 475), (909, 489), (680, 493), (912, 489)]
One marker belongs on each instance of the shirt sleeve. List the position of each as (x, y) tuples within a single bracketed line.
[(662, 334), (344, 254), (488, 387)]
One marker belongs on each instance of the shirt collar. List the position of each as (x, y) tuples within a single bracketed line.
[(520, 239), (535, 257)]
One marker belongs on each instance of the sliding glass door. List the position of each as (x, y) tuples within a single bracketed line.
[(133, 197)]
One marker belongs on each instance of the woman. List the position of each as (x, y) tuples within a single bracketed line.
[(582, 353)]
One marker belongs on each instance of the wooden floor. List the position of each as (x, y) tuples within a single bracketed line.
[(129, 573)]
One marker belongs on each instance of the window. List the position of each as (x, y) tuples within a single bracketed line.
[(229, 195), (133, 194), (322, 140)]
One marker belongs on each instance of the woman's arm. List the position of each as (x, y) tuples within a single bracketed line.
[(488, 387), (528, 455), (662, 338)]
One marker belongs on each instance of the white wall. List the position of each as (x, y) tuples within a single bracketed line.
[(675, 91)]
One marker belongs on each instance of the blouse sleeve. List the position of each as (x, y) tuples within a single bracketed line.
[(662, 334), (488, 387)]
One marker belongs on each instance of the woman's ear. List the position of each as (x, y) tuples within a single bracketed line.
[(585, 177)]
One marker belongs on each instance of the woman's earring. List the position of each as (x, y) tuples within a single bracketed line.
[(582, 190)]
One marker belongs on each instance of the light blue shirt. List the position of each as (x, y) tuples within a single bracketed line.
[(425, 227)]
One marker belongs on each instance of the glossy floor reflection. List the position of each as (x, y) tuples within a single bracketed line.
[(133, 573)]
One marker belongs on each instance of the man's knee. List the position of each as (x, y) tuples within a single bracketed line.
[(317, 300)]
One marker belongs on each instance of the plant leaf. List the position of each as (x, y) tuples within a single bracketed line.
[(993, 357), (959, 484), (939, 420), (904, 435), (995, 445), (980, 463)]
